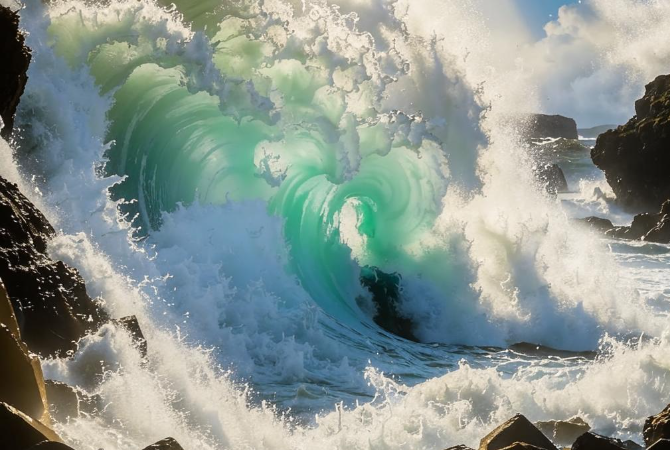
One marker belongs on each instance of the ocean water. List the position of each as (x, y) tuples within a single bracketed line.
[(226, 170)]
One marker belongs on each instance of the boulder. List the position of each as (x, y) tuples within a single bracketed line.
[(459, 447), (14, 60), (49, 298), (657, 427), (18, 431), (597, 223), (131, 325), (592, 441), (544, 126), (661, 444), (635, 156), (63, 400), (564, 432), (385, 290), (552, 178), (165, 444), (517, 429)]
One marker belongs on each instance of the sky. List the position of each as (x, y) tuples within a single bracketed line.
[(538, 12), (585, 59)]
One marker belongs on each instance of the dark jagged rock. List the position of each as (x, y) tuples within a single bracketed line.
[(50, 445), (657, 427), (14, 62), (49, 298), (459, 447), (63, 400), (564, 432), (552, 178), (592, 441), (635, 156), (661, 444), (165, 444), (543, 126), (385, 290), (131, 324), (516, 429), (18, 431)]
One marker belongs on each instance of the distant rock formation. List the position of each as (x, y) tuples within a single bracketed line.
[(14, 60), (544, 126), (635, 157), (650, 227), (594, 132)]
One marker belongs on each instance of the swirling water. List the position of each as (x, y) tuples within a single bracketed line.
[(225, 170)]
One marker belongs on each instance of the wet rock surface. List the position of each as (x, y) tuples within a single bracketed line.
[(657, 427), (49, 298), (635, 156)]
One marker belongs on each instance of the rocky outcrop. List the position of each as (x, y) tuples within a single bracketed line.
[(635, 156), (657, 427), (544, 126), (515, 430), (552, 178), (50, 445), (49, 297), (165, 444), (563, 432), (14, 61), (647, 226)]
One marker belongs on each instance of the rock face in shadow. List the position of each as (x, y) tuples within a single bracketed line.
[(543, 126), (635, 156), (14, 61), (518, 429), (18, 431), (49, 298)]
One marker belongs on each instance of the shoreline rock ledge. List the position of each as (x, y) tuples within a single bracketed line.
[(636, 156)]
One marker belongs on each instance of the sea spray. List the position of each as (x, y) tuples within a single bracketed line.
[(254, 166)]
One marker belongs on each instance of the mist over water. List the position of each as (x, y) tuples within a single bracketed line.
[(225, 171)]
